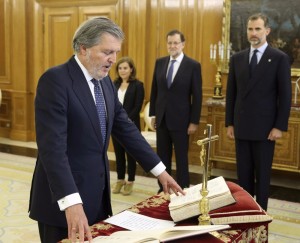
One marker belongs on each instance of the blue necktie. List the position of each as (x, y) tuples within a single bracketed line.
[(100, 105), (170, 73), (253, 62)]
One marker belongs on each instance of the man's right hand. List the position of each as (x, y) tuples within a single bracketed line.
[(169, 184), (77, 223), (230, 132)]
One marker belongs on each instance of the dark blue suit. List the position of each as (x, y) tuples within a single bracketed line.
[(255, 106), (175, 108), (133, 99), (72, 156)]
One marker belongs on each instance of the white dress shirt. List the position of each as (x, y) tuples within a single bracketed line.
[(175, 65), (260, 52)]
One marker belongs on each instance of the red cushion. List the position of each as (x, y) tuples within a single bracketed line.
[(245, 210)]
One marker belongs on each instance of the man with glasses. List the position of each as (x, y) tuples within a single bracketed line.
[(175, 104)]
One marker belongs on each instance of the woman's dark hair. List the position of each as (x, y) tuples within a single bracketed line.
[(130, 62)]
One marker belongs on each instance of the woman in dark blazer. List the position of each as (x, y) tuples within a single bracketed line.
[(131, 94)]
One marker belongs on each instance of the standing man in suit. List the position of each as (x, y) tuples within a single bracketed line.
[(76, 110), (258, 102), (175, 102)]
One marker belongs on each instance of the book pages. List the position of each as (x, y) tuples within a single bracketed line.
[(159, 235), (186, 206)]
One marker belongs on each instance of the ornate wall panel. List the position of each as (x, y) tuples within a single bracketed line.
[(5, 112), (13, 70), (19, 114), (5, 12), (134, 25), (88, 12), (287, 150), (59, 27), (5, 79), (60, 24)]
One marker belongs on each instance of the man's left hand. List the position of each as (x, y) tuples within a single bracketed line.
[(275, 134), (192, 128)]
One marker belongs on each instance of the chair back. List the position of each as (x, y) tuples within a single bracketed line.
[(147, 119), (148, 132)]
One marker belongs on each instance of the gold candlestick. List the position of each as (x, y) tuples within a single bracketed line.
[(220, 60), (218, 85), (204, 218)]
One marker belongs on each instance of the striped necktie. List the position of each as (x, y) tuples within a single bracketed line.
[(100, 105), (170, 73)]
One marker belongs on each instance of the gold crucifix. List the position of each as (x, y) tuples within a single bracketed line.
[(204, 218)]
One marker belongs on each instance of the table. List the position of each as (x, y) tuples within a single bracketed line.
[(248, 221)]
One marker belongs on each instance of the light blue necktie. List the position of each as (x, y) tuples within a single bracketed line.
[(170, 73), (100, 105)]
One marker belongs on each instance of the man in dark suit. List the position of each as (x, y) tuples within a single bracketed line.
[(175, 102), (70, 186), (258, 102)]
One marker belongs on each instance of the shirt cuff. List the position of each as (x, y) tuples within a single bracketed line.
[(158, 169), (69, 200)]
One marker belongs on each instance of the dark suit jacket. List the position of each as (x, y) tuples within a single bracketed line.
[(181, 103), (133, 100), (255, 106), (71, 155)]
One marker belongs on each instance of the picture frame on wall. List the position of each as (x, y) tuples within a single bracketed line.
[(284, 17)]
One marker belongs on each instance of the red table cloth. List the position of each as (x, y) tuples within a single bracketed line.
[(248, 221)]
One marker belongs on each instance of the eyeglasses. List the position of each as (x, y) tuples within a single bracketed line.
[(173, 43)]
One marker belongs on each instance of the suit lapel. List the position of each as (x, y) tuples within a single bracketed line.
[(246, 71), (109, 96), (165, 71), (129, 88), (180, 70), (82, 91), (264, 62)]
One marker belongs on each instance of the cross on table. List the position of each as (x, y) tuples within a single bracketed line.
[(204, 218)]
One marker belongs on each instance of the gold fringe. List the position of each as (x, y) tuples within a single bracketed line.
[(241, 219)]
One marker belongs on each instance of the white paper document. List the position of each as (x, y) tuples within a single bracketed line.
[(134, 221)]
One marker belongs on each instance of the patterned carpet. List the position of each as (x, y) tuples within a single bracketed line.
[(16, 227)]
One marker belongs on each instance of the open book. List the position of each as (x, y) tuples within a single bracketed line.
[(187, 206), (155, 236)]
